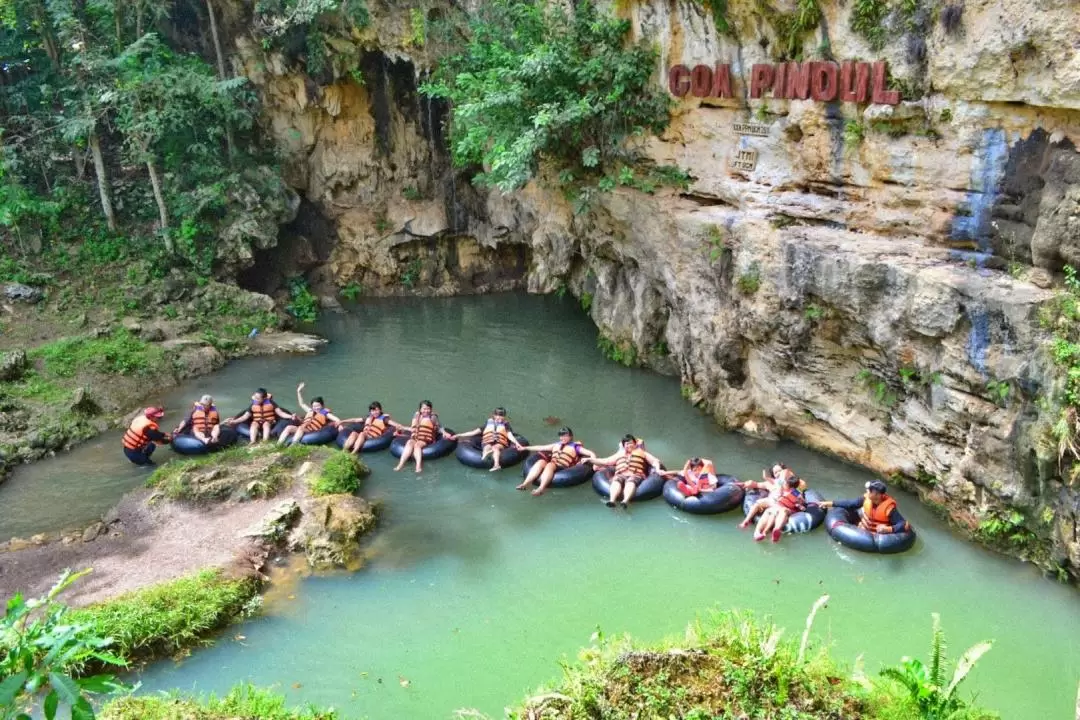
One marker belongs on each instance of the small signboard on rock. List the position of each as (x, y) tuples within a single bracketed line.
[(749, 128), (743, 161)]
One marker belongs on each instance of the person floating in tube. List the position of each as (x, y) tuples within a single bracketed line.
[(495, 436), (698, 476), (316, 417), (877, 510), (790, 500), (773, 482), (375, 424), (554, 457), (141, 435), (424, 429), (262, 415), (632, 465), (203, 420)]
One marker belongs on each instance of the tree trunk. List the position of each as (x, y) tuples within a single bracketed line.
[(117, 9), (138, 18), (220, 68), (102, 179), (163, 212)]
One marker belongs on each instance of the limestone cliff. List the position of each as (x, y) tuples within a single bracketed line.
[(866, 280)]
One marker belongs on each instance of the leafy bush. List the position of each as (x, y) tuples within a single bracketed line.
[(925, 682), (867, 19), (119, 353), (244, 701), (303, 305), (620, 351), (340, 474), (41, 641), (169, 616), (535, 83)]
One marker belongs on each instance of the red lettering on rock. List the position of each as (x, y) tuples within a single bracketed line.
[(779, 83), (679, 80), (798, 81), (761, 79), (881, 95), (854, 82), (824, 81), (700, 81), (722, 81)]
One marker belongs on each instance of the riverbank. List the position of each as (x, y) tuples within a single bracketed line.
[(80, 352), (200, 537), (727, 665)]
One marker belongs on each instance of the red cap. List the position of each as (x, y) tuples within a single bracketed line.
[(154, 412)]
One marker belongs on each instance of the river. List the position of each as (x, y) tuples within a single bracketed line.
[(473, 592)]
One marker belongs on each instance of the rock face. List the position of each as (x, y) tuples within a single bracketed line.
[(867, 279), (330, 528)]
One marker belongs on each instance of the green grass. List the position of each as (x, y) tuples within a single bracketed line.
[(620, 351), (749, 282), (341, 473), (728, 665), (119, 353), (170, 616), (241, 703), (31, 386)]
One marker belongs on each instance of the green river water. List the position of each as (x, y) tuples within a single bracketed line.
[(474, 592)]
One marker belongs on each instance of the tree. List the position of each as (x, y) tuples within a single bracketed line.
[(538, 82), (165, 104)]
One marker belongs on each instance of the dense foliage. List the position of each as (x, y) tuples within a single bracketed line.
[(97, 109), (40, 643), (536, 83), (1062, 318)]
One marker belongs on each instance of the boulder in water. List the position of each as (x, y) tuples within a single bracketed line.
[(330, 529)]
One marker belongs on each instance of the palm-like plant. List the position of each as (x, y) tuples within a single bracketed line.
[(926, 681)]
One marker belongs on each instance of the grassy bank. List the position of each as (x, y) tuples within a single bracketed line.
[(730, 665), (164, 619), (244, 701), (105, 338)]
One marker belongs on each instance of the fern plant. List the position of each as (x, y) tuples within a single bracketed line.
[(926, 682)]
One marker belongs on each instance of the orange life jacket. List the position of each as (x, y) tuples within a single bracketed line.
[(791, 500), (496, 433), (314, 420), (424, 430), (204, 418), (375, 427), (264, 411), (633, 463), (874, 516), (135, 437), (566, 454)]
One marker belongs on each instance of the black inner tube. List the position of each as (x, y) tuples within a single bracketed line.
[(576, 474), (470, 450)]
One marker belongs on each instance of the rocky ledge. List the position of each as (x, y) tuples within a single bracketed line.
[(238, 511)]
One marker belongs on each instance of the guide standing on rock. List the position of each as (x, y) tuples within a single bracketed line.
[(141, 435)]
